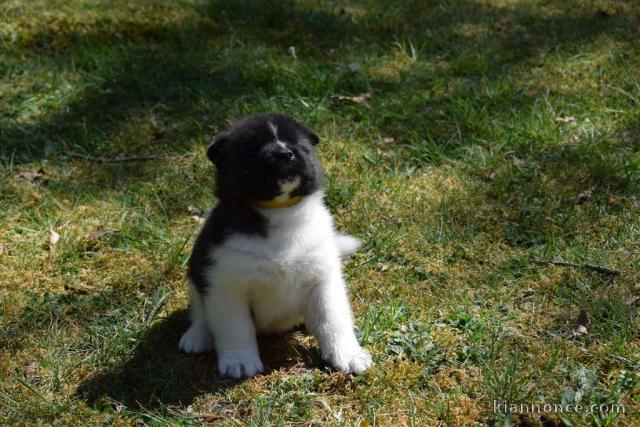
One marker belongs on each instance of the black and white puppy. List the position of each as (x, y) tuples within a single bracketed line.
[(268, 257)]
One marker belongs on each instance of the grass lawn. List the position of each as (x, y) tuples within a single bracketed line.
[(463, 140)]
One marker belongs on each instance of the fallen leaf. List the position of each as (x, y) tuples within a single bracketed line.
[(581, 324), (490, 175), (99, 232), (211, 417), (193, 210), (579, 331), (361, 99), (565, 119), (583, 197), (631, 301), (386, 141), (76, 290), (53, 238), (31, 369), (291, 51), (31, 176)]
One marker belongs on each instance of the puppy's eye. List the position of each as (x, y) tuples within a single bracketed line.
[(305, 148)]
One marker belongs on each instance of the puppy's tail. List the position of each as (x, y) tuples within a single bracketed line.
[(347, 245)]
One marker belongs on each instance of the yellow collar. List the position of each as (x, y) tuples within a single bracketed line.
[(274, 204)]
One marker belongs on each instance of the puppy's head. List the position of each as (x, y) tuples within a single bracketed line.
[(264, 158)]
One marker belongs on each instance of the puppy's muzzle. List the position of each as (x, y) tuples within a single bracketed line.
[(285, 154)]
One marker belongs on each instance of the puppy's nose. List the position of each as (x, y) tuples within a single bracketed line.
[(285, 154)]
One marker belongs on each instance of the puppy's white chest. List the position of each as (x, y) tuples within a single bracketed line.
[(279, 287), (276, 274), (289, 259)]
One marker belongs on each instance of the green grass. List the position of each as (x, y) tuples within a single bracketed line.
[(497, 131)]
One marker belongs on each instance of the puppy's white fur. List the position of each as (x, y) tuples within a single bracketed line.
[(273, 284), (286, 187)]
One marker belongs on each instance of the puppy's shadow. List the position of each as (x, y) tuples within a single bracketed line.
[(158, 374)]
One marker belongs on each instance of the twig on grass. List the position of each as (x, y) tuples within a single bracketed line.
[(597, 268), (119, 159)]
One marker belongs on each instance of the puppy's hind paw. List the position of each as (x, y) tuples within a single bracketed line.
[(239, 365), (196, 340)]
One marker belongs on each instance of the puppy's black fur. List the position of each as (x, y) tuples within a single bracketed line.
[(250, 160)]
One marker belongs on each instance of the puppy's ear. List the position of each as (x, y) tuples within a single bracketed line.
[(217, 146), (312, 137)]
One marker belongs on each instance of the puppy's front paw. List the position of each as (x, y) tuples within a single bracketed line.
[(355, 362), (196, 340), (239, 365)]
